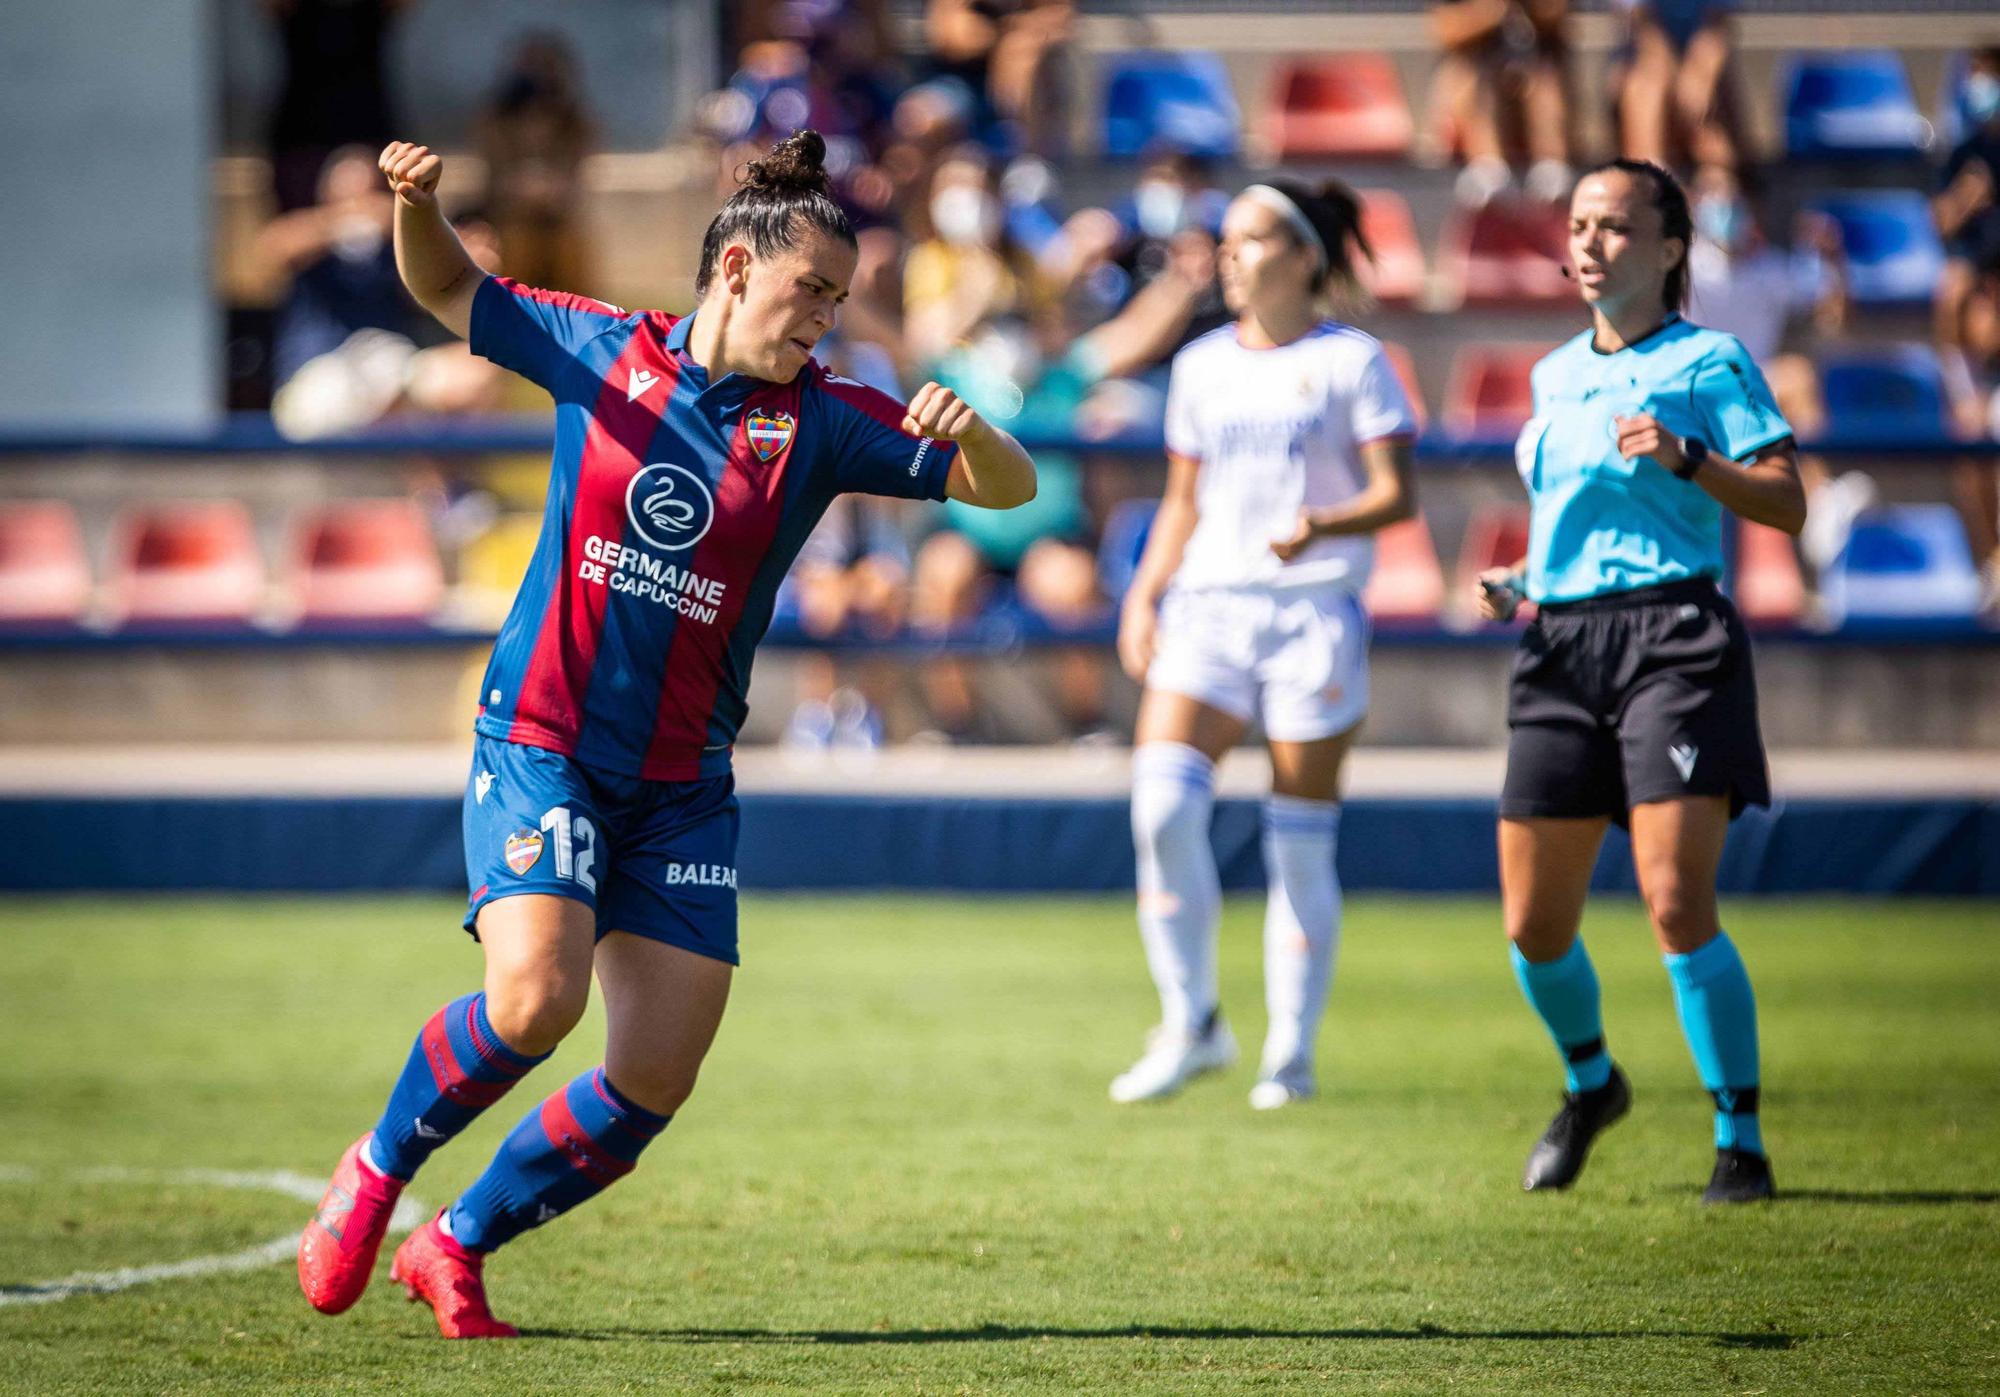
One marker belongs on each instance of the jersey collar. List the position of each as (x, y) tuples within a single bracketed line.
[(733, 385), (1673, 319)]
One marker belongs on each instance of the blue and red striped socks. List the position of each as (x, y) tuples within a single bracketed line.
[(457, 1068), (568, 1150)]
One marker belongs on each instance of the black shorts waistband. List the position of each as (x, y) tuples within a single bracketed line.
[(1686, 589)]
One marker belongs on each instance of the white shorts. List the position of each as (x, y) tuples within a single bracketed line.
[(1296, 658)]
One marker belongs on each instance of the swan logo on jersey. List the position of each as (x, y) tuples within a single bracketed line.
[(669, 506), (523, 848), (769, 433)]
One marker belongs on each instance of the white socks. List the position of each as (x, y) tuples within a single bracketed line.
[(1180, 893), (1301, 931)]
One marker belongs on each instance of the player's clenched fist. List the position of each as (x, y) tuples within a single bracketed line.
[(938, 412), (412, 171)]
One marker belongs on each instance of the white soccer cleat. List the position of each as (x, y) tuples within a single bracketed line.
[(1172, 1060), (1271, 1094)]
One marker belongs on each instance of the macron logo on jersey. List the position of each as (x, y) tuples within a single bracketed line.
[(641, 381)]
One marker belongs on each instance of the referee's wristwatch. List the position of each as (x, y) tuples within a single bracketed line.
[(1693, 452)]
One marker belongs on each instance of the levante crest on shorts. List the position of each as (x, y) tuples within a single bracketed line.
[(769, 432), (523, 848)]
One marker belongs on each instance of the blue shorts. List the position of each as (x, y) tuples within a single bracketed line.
[(653, 858)]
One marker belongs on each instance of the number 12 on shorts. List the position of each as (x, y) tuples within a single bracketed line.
[(575, 840)]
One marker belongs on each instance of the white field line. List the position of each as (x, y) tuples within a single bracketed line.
[(409, 1212)]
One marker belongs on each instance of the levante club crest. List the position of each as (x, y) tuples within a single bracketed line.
[(523, 848), (769, 432)]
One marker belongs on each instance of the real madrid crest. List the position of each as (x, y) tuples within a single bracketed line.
[(769, 433)]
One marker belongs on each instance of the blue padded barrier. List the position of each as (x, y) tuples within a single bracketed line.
[(1943, 846)]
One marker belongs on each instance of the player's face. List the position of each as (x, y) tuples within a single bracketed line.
[(1616, 247), (789, 301), (1261, 261)]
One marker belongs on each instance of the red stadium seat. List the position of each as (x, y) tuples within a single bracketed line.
[(1489, 393), (1396, 276), (1769, 590), (1408, 583), (187, 562), (1495, 537), (1406, 374), (1342, 106), (1509, 253), (44, 575), (371, 559)]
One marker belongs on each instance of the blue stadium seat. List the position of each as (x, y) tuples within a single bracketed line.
[(1181, 100), (1954, 115), (1892, 248), (1122, 543), (1884, 392), (1904, 563), (1848, 104)]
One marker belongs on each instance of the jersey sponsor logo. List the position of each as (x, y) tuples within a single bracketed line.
[(637, 573), (641, 380), (523, 848), (701, 875), (669, 506), (769, 433), (923, 450), (1683, 757)]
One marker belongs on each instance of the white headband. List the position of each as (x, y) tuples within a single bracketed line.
[(1283, 205)]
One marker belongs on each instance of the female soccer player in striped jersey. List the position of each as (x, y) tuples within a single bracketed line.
[(693, 456), (1288, 445)]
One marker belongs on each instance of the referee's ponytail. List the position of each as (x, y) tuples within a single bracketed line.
[(784, 194), (1676, 221)]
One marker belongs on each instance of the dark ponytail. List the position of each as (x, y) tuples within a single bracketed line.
[(1334, 211), (1676, 221), (783, 195)]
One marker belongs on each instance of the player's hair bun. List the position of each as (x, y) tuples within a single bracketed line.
[(796, 164)]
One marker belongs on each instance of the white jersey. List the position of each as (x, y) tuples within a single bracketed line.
[(1276, 431)]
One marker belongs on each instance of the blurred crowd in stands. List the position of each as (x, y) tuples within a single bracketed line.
[(982, 267)]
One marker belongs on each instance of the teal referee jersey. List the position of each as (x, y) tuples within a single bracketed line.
[(1601, 523)]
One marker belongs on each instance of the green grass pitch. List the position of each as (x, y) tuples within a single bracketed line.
[(901, 1174)]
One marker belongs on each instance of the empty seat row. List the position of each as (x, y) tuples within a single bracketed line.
[(200, 561), (1352, 106)]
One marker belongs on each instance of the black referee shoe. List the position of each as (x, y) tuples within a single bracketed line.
[(1739, 1177), (1558, 1156)]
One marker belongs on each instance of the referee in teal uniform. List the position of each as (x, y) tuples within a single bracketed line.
[(1632, 696)]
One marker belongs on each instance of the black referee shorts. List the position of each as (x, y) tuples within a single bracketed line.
[(1634, 697)]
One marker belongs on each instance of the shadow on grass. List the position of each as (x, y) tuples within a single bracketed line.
[(1007, 1333), (1891, 1197), (1864, 1197)]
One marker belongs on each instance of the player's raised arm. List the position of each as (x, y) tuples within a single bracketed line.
[(993, 470), (434, 265)]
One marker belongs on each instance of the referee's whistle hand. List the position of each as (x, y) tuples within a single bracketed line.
[(1495, 595), (1644, 436)]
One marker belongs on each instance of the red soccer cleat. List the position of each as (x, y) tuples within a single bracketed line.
[(337, 1251), (434, 1267)]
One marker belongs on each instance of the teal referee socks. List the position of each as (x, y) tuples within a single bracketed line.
[(1719, 1016), (1564, 992)]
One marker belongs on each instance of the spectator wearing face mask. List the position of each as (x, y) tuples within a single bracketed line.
[(1174, 197), (1965, 206), (1041, 377), (1741, 284), (968, 270), (346, 328)]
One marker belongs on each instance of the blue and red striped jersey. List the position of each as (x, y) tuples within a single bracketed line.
[(675, 506)]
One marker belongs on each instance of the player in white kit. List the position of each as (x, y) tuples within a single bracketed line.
[(1288, 446)]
